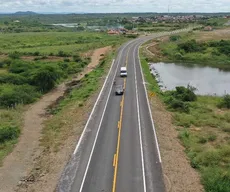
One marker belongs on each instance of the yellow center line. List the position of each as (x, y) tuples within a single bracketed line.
[(114, 160), (127, 57), (116, 155)]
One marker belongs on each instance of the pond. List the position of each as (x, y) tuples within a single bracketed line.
[(207, 80), (71, 25)]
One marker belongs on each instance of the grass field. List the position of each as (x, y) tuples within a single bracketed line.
[(52, 42)]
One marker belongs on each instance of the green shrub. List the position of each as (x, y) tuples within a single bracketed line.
[(212, 137), (37, 58), (209, 158), (77, 58), (185, 94), (62, 54), (14, 55), (180, 98), (46, 77), (132, 36), (174, 37), (7, 62), (225, 102), (183, 120), (8, 133), (13, 79), (66, 60), (179, 105), (11, 95), (36, 53), (202, 140), (192, 46), (178, 56), (223, 46), (44, 57), (18, 66), (2, 64), (216, 179)]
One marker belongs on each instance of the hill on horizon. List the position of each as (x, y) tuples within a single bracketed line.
[(25, 13)]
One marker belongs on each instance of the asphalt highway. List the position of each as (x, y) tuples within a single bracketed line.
[(118, 150)]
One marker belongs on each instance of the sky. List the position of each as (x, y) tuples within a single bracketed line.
[(116, 6)]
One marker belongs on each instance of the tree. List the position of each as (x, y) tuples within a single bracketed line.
[(46, 78), (125, 20)]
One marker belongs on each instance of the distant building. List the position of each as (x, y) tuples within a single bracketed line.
[(113, 32), (208, 28), (16, 21)]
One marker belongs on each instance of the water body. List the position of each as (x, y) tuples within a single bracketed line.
[(207, 80), (71, 25)]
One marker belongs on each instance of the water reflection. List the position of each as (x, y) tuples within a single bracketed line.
[(207, 80)]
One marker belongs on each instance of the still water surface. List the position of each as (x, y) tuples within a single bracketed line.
[(207, 80)]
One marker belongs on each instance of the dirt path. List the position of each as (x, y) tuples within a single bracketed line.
[(20, 162)]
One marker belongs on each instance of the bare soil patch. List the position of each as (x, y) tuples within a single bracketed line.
[(3, 71), (97, 55), (3, 56), (152, 49), (213, 35), (29, 165), (179, 175)]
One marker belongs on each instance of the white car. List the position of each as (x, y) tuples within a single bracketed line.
[(123, 72)]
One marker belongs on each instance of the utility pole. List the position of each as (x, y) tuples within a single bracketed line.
[(169, 2)]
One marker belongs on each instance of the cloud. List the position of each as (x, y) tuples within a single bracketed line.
[(115, 5)]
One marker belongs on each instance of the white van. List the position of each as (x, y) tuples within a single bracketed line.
[(123, 72)]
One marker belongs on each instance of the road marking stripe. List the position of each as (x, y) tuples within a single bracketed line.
[(119, 125), (117, 150), (114, 160), (139, 124), (126, 61), (124, 84)]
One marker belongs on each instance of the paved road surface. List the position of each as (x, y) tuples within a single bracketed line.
[(118, 150)]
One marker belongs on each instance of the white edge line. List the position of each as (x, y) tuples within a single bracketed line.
[(102, 89), (150, 112), (139, 124), (99, 127)]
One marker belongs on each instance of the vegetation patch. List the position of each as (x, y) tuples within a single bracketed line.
[(23, 81), (10, 124), (185, 48), (203, 129)]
